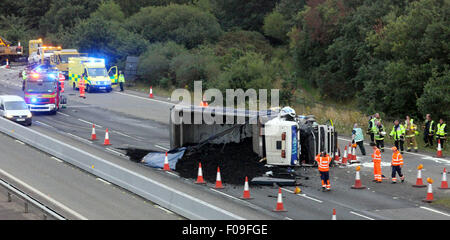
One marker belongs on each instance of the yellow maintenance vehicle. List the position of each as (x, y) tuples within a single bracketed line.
[(9, 52), (93, 71), (61, 60), (34, 45)]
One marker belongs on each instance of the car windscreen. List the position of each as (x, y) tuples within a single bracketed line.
[(40, 87), (97, 72), (65, 58), (16, 105)]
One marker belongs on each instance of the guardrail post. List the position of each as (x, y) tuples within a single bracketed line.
[(26, 207), (44, 217), (9, 197)]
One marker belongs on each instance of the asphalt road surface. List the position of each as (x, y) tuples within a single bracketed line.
[(135, 120)]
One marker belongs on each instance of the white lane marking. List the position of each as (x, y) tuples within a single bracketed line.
[(79, 138), (148, 99), (163, 148), (67, 115), (436, 211), (164, 209), (288, 218), (116, 152), (303, 195), (360, 215), (96, 125), (43, 124), (104, 181), (57, 159), (212, 189), (60, 205), (171, 173), (20, 142), (417, 154), (125, 135)]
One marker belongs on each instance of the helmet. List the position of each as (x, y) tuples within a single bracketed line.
[(287, 111), (394, 149)]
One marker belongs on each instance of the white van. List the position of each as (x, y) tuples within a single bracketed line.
[(15, 109)]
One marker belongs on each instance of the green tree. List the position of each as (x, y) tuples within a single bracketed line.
[(111, 11), (436, 98), (182, 24)]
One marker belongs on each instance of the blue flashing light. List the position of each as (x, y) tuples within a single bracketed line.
[(33, 100), (53, 76)]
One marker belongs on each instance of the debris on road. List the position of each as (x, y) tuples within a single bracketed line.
[(236, 161)]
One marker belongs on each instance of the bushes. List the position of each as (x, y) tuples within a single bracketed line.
[(183, 24)]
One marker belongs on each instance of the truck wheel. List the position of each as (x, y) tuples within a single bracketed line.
[(88, 88), (53, 112)]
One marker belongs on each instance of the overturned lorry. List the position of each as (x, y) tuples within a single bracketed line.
[(285, 143)]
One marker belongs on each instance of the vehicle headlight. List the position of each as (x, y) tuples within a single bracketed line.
[(29, 115), (9, 116)]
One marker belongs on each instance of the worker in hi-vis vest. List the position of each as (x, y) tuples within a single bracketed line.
[(323, 163), (121, 80), (441, 132)]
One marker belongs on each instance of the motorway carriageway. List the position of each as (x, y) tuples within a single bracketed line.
[(135, 120)]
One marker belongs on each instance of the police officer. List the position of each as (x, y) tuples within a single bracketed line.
[(441, 132), (121, 80), (398, 133), (428, 131)]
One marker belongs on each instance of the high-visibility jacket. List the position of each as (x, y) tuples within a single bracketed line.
[(411, 130), (378, 135), (373, 125), (441, 131), (429, 129), (397, 132), (397, 159), (203, 104), (121, 78), (323, 163), (376, 156)]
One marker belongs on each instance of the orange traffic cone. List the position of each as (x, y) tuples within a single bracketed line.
[(439, 149), (150, 95), (429, 197), (7, 64), (334, 214), (200, 175), (280, 207), (358, 184), (93, 134), (106, 138), (218, 180), (336, 156), (350, 157), (246, 194), (353, 152), (419, 182), (444, 184), (166, 163), (345, 157)]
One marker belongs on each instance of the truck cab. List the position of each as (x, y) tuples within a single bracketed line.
[(93, 71), (42, 90), (61, 60), (42, 55)]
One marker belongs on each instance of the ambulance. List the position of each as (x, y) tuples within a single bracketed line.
[(93, 70)]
